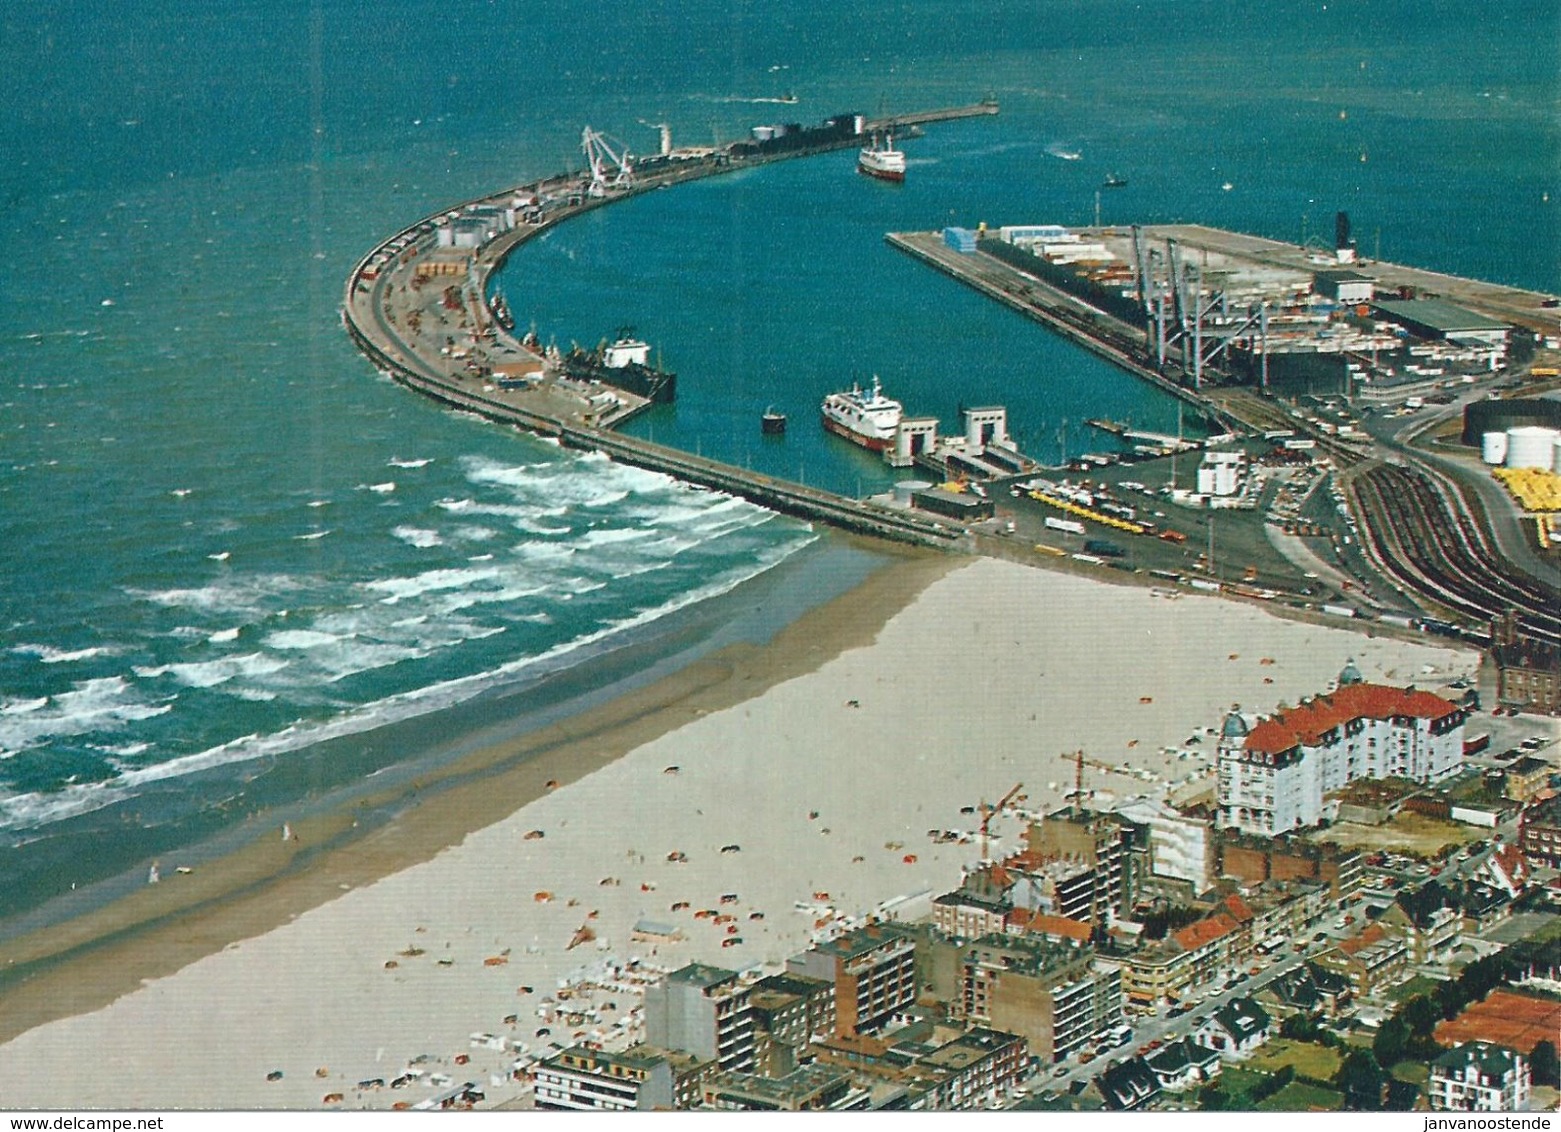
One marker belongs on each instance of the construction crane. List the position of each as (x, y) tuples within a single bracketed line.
[(610, 169), (987, 813), (1079, 762)]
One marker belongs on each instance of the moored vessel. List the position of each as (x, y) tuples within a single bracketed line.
[(865, 418), (624, 364), (882, 161), (773, 423)]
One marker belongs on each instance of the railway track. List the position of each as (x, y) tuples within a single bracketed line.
[(1424, 533)]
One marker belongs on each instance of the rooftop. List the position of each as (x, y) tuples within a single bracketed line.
[(1028, 955), (1205, 931), (861, 941), (1313, 719), (1438, 314), (1129, 1084), (969, 1048), (1242, 1017), (1422, 904), (1492, 1060), (1042, 923), (1527, 654), (701, 975)]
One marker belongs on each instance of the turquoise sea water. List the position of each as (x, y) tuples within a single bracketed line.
[(228, 546)]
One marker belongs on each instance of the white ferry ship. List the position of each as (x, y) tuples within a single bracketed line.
[(882, 161), (868, 419)]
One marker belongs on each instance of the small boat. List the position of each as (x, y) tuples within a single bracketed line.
[(1113, 181), (772, 423)]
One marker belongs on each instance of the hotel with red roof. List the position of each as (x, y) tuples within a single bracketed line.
[(1274, 774)]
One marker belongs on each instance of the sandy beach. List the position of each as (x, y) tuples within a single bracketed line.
[(818, 763)]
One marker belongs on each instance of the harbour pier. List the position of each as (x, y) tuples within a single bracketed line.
[(417, 307), (1051, 306)]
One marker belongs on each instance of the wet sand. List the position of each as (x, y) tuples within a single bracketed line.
[(92, 959)]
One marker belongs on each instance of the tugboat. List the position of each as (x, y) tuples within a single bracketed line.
[(868, 419), (882, 161), (773, 423)]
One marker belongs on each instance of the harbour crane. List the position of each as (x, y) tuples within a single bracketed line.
[(610, 168), (987, 813)]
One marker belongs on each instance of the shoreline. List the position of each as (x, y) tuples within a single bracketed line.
[(86, 961), (825, 759)]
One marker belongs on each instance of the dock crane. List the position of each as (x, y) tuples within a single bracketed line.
[(610, 169), (987, 813)]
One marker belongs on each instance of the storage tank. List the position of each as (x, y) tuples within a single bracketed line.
[(1480, 417), (906, 488), (1529, 446), (1493, 448)]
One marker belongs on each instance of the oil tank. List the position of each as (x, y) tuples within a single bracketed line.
[(907, 488), (1480, 417), (1529, 446), (1493, 448)]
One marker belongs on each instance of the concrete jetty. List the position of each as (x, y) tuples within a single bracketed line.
[(416, 306), (1063, 313)]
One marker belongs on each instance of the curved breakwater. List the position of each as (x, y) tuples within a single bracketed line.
[(373, 319)]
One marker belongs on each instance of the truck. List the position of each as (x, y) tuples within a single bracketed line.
[(1072, 526), (1103, 548)]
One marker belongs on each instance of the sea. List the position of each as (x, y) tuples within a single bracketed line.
[(243, 574)]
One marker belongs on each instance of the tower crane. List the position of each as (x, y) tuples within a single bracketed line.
[(988, 811), (1079, 762)]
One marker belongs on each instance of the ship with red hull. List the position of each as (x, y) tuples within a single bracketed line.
[(882, 161), (866, 418)]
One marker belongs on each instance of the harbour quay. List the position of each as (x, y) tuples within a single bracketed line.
[(1198, 310), (1342, 376), (417, 306)]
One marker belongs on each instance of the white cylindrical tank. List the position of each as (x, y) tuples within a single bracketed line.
[(1493, 448), (1530, 446), (905, 488)]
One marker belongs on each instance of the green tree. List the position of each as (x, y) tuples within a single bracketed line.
[(1300, 1027), (1421, 1014), (1213, 1098), (1391, 1042), (1360, 1080), (1544, 1065)]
